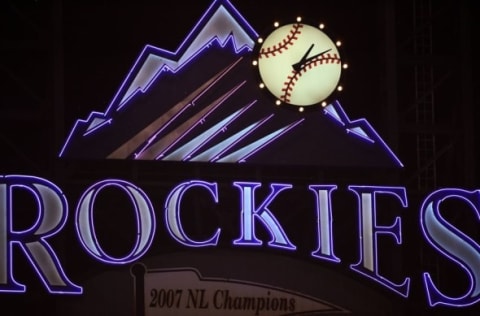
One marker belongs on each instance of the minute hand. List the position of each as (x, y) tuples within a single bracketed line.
[(298, 66)]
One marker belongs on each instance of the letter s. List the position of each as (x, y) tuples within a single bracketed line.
[(452, 243)]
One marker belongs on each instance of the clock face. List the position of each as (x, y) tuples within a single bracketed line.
[(299, 64)]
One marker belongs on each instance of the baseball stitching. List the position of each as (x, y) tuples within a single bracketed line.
[(295, 75), (284, 44)]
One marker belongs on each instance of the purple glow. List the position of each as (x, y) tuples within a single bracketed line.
[(186, 152), (250, 213), (223, 25), (51, 216), (138, 155), (97, 126), (145, 221), (369, 231), (172, 214), (324, 222), (91, 118), (165, 68), (229, 94), (368, 134), (214, 153), (152, 61), (242, 154), (453, 244), (52, 210), (201, 36)]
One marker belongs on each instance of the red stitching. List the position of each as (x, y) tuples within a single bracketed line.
[(323, 59), (284, 44), (289, 84)]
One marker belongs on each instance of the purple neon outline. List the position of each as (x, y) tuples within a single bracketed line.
[(188, 40), (384, 229), (93, 115), (182, 188), (264, 141), (263, 206), (98, 126), (173, 118), (328, 112), (239, 136), (214, 82), (363, 124), (227, 143), (166, 68), (364, 136), (330, 188), (184, 46), (450, 193), (282, 132), (149, 49), (154, 135), (204, 117), (124, 186), (70, 287), (224, 126), (21, 288)]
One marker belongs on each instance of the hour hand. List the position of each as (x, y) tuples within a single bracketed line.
[(298, 66)]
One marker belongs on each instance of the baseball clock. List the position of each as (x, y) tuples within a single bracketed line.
[(299, 64)]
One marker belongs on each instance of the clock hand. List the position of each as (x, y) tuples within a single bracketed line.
[(298, 66), (319, 54)]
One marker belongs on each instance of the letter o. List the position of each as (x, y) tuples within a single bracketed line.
[(145, 221)]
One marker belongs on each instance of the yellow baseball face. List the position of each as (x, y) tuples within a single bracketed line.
[(299, 64)]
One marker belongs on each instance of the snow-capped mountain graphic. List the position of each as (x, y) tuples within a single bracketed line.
[(202, 103)]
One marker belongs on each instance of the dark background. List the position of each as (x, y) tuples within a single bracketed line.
[(413, 66)]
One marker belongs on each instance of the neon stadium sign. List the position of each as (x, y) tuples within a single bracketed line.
[(53, 213)]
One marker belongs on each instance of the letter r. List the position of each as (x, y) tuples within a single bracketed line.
[(52, 209)]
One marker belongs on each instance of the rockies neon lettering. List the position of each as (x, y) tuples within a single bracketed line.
[(52, 214)]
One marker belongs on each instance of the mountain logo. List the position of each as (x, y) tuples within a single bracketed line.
[(202, 103)]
